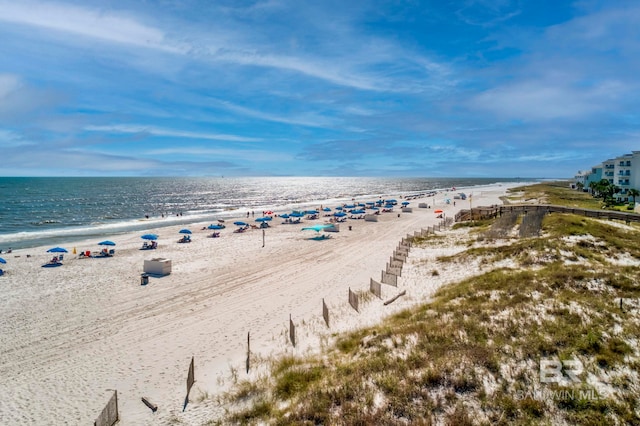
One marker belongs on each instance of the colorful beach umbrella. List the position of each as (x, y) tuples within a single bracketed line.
[(106, 243), (437, 211), (57, 250), (149, 237)]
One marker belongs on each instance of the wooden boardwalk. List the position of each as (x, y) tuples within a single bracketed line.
[(487, 212)]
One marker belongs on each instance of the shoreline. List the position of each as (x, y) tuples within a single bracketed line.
[(64, 235), (72, 332)]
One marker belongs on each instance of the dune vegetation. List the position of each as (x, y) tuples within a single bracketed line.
[(472, 354)]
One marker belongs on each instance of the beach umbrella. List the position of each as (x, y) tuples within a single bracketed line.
[(326, 209), (184, 231), (359, 211), (215, 226), (297, 214), (263, 219), (240, 223), (2, 260), (106, 243), (404, 203), (284, 216), (149, 237), (339, 214), (339, 208), (311, 212), (437, 211), (57, 250), (316, 228)]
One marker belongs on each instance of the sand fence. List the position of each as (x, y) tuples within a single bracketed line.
[(390, 277)]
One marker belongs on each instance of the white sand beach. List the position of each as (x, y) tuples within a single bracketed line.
[(70, 335)]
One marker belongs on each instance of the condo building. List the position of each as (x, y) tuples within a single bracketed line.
[(623, 172)]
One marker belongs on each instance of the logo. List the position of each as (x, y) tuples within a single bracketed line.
[(555, 371)]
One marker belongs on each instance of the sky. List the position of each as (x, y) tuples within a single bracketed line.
[(416, 88)]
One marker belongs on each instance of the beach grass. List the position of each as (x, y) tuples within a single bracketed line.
[(558, 193), (472, 355)]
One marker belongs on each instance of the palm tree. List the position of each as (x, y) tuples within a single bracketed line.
[(579, 186), (592, 187), (633, 193)]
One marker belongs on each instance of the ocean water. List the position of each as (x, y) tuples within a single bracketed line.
[(42, 211)]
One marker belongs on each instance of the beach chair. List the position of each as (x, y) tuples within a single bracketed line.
[(1, 272), (145, 246)]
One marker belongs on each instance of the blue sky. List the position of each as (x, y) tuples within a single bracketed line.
[(487, 88)]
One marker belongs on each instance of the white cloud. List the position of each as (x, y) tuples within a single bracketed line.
[(94, 23), (157, 131)]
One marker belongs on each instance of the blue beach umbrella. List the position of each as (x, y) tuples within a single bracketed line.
[(149, 237), (263, 219), (184, 231), (339, 208), (284, 216), (240, 223), (297, 214), (359, 211), (404, 203), (215, 226), (106, 243), (339, 214), (2, 260), (57, 250), (326, 209)]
